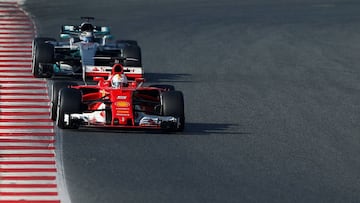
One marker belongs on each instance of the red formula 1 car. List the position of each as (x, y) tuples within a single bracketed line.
[(118, 102)]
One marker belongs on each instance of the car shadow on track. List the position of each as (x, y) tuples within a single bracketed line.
[(193, 129), (214, 129), (166, 77)]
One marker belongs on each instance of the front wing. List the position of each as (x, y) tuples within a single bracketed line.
[(145, 122)]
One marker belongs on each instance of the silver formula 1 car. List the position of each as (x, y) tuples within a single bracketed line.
[(82, 47)]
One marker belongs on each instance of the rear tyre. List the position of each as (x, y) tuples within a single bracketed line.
[(55, 89), (132, 55), (173, 105), (43, 54), (69, 102)]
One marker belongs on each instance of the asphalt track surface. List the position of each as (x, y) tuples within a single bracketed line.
[(272, 102)]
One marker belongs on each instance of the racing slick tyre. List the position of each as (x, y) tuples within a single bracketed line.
[(55, 89), (172, 103), (43, 54), (69, 102), (131, 52), (165, 87)]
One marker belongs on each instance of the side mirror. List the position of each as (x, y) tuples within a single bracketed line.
[(68, 28), (105, 29), (65, 36), (139, 81), (98, 78), (100, 81)]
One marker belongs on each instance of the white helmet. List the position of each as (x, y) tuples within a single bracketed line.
[(118, 81), (87, 36)]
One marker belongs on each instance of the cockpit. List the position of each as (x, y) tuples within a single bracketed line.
[(86, 27)]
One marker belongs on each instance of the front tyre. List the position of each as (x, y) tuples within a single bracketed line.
[(69, 102), (55, 89), (172, 103), (43, 59)]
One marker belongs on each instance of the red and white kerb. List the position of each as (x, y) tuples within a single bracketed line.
[(27, 156)]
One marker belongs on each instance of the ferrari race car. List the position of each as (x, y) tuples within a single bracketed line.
[(114, 104), (82, 47)]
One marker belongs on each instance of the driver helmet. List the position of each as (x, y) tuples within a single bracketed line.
[(86, 27), (118, 80), (87, 36)]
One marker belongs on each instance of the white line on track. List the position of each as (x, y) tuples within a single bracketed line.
[(21, 35), (35, 88), (33, 174), (30, 198), (24, 110), (22, 96), (24, 55), (26, 143), (26, 123), (26, 137), (13, 48), (27, 182), (6, 130), (20, 91), (20, 17), (39, 116), (34, 85), (27, 159), (7, 22), (22, 103), (11, 31), (36, 80), (15, 63), (19, 74), (21, 27), (16, 69), (6, 41), (44, 189), (5, 152), (28, 166), (23, 91), (15, 57), (15, 54)]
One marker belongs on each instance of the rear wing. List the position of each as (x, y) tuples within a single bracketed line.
[(132, 73), (75, 30)]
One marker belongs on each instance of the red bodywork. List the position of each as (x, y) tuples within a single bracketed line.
[(120, 100)]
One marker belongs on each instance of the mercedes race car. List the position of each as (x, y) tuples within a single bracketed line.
[(115, 103), (82, 47)]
